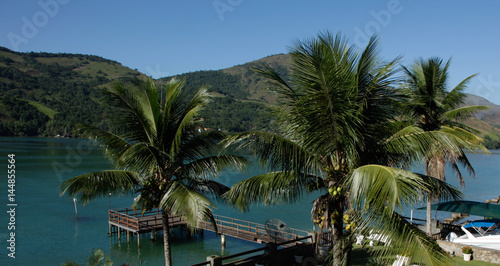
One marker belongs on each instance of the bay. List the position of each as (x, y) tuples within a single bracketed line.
[(47, 231)]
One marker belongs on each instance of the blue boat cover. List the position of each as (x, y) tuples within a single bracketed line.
[(470, 207), (482, 223)]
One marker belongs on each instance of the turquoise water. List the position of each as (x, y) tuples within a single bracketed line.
[(48, 233)]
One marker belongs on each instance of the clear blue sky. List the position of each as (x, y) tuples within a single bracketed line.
[(162, 38)]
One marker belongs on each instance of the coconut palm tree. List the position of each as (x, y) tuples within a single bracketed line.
[(337, 118), (98, 257), (158, 153), (432, 107)]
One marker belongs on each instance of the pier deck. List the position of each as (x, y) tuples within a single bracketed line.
[(136, 222), (250, 231)]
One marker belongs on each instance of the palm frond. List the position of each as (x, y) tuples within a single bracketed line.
[(377, 192), (113, 145), (278, 84), (98, 258), (200, 145), (382, 185), (393, 188), (209, 188), (132, 107), (403, 237), (466, 139), (272, 188), (456, 96), (181, 199), (141, 157), (274, 151), (89, 186), (209, 167), (186, 118), (414, 144), (464, 113)]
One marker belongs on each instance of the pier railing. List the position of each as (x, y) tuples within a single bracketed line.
[(123, 219), (241, 227), (272, 252), (138, 220)]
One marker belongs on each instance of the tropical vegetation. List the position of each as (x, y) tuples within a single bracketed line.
[(433, 107), (97, 258), (47, 94), (339, 135), (158, 152)]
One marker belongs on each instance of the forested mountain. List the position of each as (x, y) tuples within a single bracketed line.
[(487, 122), (240, 101), (46, 94)]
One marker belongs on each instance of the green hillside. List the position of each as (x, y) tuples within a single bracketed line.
[(241, 101), (253, 84), (46, 94)]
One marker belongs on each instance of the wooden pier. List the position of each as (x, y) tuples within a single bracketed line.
[(250, 231), (134, 222)]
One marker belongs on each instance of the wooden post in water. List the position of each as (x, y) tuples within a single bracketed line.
[(223, 241), (76, 211), (128, 236), (138, 240)]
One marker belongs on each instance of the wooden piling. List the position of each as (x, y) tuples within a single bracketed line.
[(223, 241)]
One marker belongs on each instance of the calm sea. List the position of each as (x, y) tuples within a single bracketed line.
[(47, 231)]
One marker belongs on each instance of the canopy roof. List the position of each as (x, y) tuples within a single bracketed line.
[(470, 207), (482, 223)]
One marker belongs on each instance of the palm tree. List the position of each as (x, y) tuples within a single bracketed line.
[(98, 257), (158, 153), (337, 128), (433, 108)]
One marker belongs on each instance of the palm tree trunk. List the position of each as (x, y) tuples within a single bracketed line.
[(429, 215), (430, 196), (338, 233), (166, 239)]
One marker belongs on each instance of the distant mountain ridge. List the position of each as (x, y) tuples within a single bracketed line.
[(46, 94)]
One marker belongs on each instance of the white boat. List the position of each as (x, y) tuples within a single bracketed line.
[(481, 233)]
